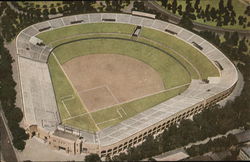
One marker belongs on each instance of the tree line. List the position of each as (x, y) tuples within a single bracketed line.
[(224, 15), (13, 114)]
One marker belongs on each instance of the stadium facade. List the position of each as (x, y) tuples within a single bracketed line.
[(40, 109)]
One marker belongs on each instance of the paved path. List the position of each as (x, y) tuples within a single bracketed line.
[(7, 150), (198, 26)]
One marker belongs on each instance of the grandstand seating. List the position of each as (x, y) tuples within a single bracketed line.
[(39, 100)]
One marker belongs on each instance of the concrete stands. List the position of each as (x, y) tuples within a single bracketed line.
[(38, 96), (39, 100)]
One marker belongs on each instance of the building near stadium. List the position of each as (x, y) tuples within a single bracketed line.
[(43, 111)]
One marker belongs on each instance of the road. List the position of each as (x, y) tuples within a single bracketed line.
[(8, 152), (198, 26)]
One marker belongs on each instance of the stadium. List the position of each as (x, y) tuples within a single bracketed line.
[(101, 83)]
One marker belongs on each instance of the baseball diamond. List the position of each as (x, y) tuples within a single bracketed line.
[(92, 85)]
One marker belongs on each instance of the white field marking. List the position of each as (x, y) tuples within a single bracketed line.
[(165, 90), (118, 112), (210, 51), (63, 22), (101, 16), (82, 91), (115, 17), (112, 94), (75, 91), (108, 121), (68, 97), (124, 111), (66, 108), (190, 37), (72, 117)]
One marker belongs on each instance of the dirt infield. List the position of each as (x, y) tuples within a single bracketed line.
[(103, 80)]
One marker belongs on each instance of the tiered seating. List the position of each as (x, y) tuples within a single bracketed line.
[(31, 31), (43, 26), (106, 17), (136, 20), (160, 25), (39, 99), (69, 19), (147, 22), (56, 23), (38, 95), (95, 18), (174, 28), (206, 46), (184, 34), (85, 18), (195, 39), (123, 18)]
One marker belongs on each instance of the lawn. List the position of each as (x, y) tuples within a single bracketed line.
[(167, 63), (77, 30), (132, 108), (204, 66), (62, 89), (239, 9), (162, 63)]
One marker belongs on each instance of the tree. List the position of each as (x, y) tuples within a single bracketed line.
[(164, 3), (19, 144), (92, 158), (174, 6), (242, 45), (229, 5), (235, 38), (213, 13), (247, 11), (186, 22), (196, 5), (221, 7), (207, 12), (180, 9)]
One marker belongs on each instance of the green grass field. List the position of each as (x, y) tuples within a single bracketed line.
[(171, 71), (239, 9)]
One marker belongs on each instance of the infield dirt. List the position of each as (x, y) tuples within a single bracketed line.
[(103, 80)]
